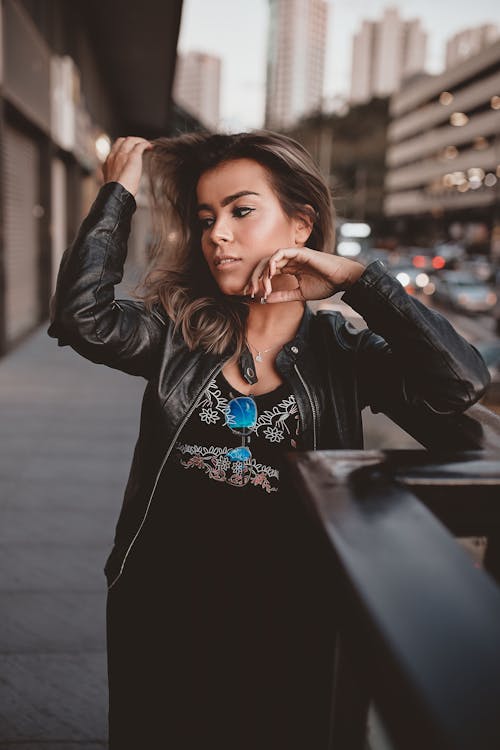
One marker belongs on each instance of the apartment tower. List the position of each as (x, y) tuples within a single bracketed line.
[(295, 60), (384, 53), (197, 86)]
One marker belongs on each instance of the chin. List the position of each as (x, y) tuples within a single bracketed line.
[(231, 290)]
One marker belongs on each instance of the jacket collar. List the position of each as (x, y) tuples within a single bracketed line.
[(298, 347)]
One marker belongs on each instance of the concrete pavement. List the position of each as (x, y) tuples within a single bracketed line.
[(68, 429)]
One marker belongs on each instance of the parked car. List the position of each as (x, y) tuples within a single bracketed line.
[(462, 291), (479, 266), (413, 279), (453, 253), (421, 258)]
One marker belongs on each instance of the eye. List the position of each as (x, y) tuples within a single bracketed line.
[(239, 212), (242, 208), (205, 223)]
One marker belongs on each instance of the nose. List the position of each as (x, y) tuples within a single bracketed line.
[(220, 230)]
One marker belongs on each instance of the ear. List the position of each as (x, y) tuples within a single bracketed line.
[(303, 225)]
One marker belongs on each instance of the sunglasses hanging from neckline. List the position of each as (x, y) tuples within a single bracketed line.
[(241, 418)]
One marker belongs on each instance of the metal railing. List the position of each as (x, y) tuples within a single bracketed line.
[(418, 639)]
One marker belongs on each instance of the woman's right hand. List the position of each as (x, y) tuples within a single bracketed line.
[(124, 162)]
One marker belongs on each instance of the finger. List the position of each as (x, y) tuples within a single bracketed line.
[(132, 142), (267, 285), (283, 265), (285, 260), (118, 149), (265, 279), (141, 147), (274, 271), (286, 253), (116, 145), (260, 287), (256, 274), (286, 295), (127, 150)]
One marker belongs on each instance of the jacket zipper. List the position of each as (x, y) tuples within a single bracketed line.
[(313, 408), (188, 414)]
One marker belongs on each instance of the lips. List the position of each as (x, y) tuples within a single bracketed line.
[(225, 261)]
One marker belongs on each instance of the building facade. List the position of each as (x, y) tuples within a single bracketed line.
[(443, 156), (384, 53), (470, 42), (295, 60), (197, 86), (67, 92)]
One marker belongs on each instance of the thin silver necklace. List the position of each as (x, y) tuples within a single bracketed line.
[(260, 352)]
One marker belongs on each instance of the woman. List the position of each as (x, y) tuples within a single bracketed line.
[(220, 617)]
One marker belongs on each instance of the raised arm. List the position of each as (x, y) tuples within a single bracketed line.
[(84, 313)]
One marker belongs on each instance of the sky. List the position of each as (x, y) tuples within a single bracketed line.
[(236, 30)]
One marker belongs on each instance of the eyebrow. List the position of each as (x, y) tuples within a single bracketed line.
[(227, 200)]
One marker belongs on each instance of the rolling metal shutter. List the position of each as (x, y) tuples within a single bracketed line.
[(21, 212)]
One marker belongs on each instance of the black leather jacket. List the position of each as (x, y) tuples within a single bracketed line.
[(409, 363)]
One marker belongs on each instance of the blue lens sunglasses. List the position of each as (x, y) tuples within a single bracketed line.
[(241, 418)]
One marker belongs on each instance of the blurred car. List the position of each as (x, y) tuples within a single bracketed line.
[(462, 291), (420, 257), (425, 258), (413, 279), (453, 254), (479, 266)]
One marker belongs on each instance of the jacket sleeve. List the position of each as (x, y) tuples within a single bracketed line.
[(83, 311), (410, 357)]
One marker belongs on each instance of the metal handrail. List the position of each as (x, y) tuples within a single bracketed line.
[(418, 624)]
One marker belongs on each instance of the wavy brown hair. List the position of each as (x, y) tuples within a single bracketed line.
[(179, 277)]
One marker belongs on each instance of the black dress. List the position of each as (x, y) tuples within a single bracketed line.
[(230, 644)]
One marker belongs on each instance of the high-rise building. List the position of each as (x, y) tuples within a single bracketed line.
[(469, 42), (384, 53), (295, 60), (197, 86)]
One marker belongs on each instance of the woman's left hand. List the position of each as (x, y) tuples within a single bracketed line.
[(319, 275)]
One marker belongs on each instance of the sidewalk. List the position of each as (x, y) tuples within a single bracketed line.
[(68, 431)]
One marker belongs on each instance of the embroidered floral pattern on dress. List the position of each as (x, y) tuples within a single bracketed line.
[(209, 416), (274, 420), (213, 405), (214, 462)]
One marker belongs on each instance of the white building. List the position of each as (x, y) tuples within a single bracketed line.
[(443, 156), (469, 42), (197, 86), (295, 60), (384, 53)]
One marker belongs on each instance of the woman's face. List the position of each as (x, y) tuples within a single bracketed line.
[(242, 222)]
